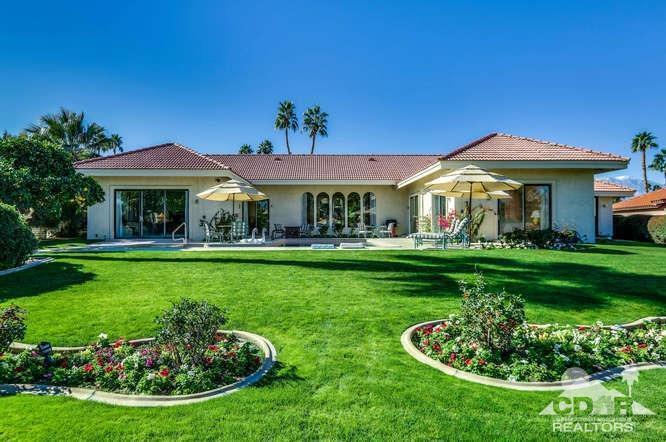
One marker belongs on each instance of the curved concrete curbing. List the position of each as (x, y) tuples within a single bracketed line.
[(131, 400), (33, 263), (602, 376)]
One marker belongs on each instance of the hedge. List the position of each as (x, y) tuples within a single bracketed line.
[(632, 227), (16, 239)]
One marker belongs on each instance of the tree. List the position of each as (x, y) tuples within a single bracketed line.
[(659, 163), (115, 143), (70, 131), (641, 142), (286, 120), (38, 177), (245, 149), (315, 123), (265, 147)]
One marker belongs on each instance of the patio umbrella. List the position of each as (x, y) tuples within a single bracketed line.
[(233, 191), (496, 195), (472, 180)]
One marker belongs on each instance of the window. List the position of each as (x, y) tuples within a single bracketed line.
[(369, 209), (323, 206), (338, 211), (528, 208), (537, 207), (353, 209), (438, 209), (307, 209)]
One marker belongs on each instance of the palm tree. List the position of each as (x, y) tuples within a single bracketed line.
[(115, 143), (70, 130), (286, 120), (641, 142), (659, 163), (315, 123), (265, 148), (245, 149)]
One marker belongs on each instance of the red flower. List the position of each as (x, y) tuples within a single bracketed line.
[(427, 330), (453, 357), (118, 343), (208, 360), (19, 369), (437, 348), (582, 328), (63, 363), (164, 372), (232, 354), (642, 345), (468, 362), (108, 369), (626, 349), (88, 368), (213, 348), (426, 342), (482, 362)]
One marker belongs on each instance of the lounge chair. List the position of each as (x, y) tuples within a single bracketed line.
[(363, 230), (457, 234)]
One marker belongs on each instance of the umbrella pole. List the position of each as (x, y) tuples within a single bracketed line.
[(469, 208)]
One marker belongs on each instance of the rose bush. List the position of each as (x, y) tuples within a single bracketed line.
[(529, 352)]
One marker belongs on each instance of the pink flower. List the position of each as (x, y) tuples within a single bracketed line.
[(213, 348), (88, 368), (453, 357), (149, 362)]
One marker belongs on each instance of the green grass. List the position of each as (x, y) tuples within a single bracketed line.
[(57, 243), (336, 319)]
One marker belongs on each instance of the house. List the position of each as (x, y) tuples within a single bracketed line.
[(605, 194), (652, 203), (151, 191)]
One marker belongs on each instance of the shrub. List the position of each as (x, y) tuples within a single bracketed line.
[(656, 226), (490, 319), (12, 326), (562, 239), (189, 326), (16, 239), (633, 227)]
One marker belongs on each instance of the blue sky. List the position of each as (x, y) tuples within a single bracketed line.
[(407, 77)]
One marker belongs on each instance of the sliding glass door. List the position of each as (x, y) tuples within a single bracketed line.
[(150, 213), (528, 208)]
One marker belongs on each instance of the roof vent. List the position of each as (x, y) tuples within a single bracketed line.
[(277, 159), (372, 159)]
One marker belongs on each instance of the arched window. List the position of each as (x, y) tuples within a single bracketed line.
[(369, 209), (338, 211), (353, 209), (323, 205), (307, 209)]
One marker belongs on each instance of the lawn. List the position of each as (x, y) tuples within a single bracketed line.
[(336, 319)]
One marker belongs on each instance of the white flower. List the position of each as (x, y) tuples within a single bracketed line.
[(190, 373), (565, 358), (512, 378), (577, 347), (103, 336), (557, 347), (151, 376)]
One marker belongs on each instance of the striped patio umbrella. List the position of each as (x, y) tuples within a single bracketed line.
[(232, 190)]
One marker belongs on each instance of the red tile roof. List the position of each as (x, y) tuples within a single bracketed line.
[(607, 186), (493, 147), (505, 147), (162, 156), (326, 167), (651, 200)]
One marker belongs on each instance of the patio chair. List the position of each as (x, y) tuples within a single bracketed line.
[(385, 231), (238, 230), (211, 233), (458, 234), (304, 230), (363, 230), (278, 231)]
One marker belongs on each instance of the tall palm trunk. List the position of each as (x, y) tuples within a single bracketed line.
[(313, 143), (286, 137), (645, 181)]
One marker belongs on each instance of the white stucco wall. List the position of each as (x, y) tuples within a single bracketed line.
[(285, 202)]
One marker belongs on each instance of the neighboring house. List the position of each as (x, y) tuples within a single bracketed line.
[(605, 194), (150, 191), (652, 203)]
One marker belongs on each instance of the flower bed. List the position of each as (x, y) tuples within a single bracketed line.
[(135, 367), (542, 353)]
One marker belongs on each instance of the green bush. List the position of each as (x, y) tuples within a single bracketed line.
[(633, 227), (16, 239), (190, 326), (656, 226), (490, 319), (12, 326)]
